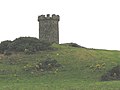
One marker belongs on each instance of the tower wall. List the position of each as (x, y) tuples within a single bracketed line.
[(49, 28)]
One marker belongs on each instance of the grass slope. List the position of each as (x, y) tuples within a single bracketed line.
[(82, 69)]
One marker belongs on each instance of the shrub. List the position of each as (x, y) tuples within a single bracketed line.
[(27, 51), (73, 45), (113, 74), (48, 65), (44, 66), (7, 53), (28, 43), (4, 46), (98, 67)]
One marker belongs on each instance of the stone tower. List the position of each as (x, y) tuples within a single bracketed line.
[(49, 28)]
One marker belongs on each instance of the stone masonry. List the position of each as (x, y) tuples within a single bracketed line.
[(49, 28)]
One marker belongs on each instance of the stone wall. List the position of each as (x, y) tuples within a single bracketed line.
[(49, 28)]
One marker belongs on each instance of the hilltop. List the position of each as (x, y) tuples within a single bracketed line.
[(81, 69)]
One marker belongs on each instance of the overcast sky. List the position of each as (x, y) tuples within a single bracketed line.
[(90, 23)]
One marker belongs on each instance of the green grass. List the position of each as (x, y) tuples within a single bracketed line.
[(82, 70)]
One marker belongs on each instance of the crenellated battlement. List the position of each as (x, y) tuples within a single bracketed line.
[(48, 17)]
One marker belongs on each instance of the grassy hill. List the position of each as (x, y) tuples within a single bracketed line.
[(82, 69)]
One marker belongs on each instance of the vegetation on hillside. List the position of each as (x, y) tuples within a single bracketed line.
[(113, 74), (4, 45), (24, 44), (66, 68), (73, 45)]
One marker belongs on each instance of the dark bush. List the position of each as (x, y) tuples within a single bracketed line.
[(47, 65), (7, 53), (25, 44), (27, 51), (29, 43), (73, 45), (4, 46), (113, 74)]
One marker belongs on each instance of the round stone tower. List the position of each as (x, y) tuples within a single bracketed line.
[(49, 28)]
